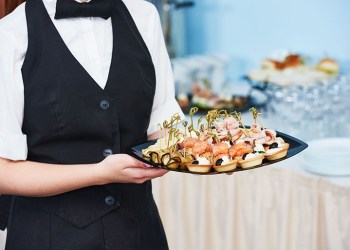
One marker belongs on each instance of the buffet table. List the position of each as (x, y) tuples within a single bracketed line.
[(272, 208)]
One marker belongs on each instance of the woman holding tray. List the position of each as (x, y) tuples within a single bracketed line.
[(81, 82)]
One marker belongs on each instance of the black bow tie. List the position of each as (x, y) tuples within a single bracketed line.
[(94, 8)]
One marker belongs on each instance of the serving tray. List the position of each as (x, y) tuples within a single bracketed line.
[(295, 147)]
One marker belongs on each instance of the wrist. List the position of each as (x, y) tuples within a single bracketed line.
[(100, 177)]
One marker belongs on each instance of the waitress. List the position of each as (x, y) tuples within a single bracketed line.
[(80, 84)]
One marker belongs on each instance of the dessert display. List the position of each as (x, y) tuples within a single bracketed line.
[(218, 142), (292, 69)]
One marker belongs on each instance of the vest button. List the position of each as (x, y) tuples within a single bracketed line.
[(109, 200), (107, 152), (104, 104)]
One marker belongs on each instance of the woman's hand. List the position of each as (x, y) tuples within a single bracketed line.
[(28, 178), (122, 168)]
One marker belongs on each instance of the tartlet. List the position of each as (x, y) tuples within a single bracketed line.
[(196, 168), (225, 164), (277, 153), (226, 167), (251, 162)]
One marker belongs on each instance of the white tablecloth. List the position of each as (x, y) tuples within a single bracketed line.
[(272, 208)]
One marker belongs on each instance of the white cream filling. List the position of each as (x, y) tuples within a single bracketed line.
[(203, 161), (259, 147), (279, 141), (250, 156), (273, 150), (225, 160)]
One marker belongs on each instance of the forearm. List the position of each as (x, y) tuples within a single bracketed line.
[(39, 179)]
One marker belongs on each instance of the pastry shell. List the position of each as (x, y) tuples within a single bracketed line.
[(252, 162), (279, 154), (227, 167), (199, 168)]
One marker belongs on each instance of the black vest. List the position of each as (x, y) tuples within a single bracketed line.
[(69, 119)]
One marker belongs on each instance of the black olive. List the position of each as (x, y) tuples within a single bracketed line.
[(244, 156), (195, 162), (273, 145), (219, 162)]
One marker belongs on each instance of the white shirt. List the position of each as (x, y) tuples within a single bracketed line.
[(90, 41)]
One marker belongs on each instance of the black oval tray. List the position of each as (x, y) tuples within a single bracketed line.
[(295, 147)]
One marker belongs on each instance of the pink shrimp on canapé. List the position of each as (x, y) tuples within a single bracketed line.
[(220, 148), (240, 149), (201, 147), (188, 142)]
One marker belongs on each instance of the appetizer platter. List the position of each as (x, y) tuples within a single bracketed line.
[(219, 142), (205, 100), (290, 70), (204, 104)]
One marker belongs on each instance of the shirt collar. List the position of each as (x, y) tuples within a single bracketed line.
[(51, 6)]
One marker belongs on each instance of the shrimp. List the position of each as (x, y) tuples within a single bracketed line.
[(240, 149), (232, 152), (243, 151), (200, 147), (221, 148), (189, 142)]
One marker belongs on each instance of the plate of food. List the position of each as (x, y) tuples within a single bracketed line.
[(290, 70), (204, 104), (205, 99), (219, 142)]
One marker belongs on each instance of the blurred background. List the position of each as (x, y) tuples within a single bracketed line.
[(248, 31), (291, 60)]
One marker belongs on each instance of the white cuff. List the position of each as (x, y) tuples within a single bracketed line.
[(168, 109), (13, 147)]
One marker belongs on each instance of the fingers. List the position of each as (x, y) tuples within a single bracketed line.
[(136, 163), (149, 173), (142, 172), (140, 175)]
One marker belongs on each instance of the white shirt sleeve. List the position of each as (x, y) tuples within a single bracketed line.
[(164, 104), (13, 43), (148, 22)]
